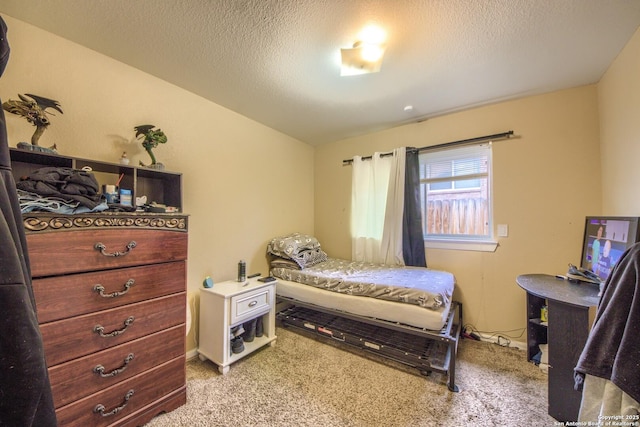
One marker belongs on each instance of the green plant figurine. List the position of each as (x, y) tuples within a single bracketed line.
[(150, 139)]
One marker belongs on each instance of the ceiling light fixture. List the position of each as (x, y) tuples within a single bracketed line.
[(366, 54)]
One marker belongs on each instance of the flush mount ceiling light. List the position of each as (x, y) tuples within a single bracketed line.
[(366, 54)]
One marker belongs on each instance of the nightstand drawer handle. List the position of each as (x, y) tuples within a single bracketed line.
[(99, 369), (99, 409), (253, 303), (99, 329), (100, 289), (102, 248)]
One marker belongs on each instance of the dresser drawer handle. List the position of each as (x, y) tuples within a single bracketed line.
[(100, 289), (99, 369), (99, 329), (253, 303), (100, 409), (102, 248)]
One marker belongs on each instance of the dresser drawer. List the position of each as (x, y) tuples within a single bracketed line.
[(75, 337), (91, 250), (77, 378), (61, 297), (129, 396), (250, 304)]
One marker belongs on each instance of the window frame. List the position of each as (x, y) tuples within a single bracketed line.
[(485, 243)]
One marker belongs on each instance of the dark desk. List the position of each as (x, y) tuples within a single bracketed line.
[(568, 327)]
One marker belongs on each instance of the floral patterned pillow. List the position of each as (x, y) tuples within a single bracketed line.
[(290, 245), (301, 248)]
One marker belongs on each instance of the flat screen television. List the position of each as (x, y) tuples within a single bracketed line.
[(605, 240)]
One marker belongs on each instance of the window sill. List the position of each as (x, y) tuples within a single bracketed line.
[(462, 245)]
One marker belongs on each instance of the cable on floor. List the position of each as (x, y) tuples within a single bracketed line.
[(503, 338)]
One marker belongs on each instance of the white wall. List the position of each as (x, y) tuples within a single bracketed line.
[(235, 170), (619, 102), (545, 182)]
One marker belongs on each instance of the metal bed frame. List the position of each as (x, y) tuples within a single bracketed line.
[(423, 349)]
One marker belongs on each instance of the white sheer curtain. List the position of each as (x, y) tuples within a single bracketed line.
[(377, 206)]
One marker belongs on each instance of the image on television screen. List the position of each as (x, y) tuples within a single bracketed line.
[(605, 240)]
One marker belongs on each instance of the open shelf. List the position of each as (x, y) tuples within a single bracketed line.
[(159, 186)]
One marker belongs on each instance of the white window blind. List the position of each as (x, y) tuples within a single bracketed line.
[(456, 193)]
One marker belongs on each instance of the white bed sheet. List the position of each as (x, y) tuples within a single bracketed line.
[(365, 306)]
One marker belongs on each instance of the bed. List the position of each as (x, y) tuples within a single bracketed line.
[(405, 314)]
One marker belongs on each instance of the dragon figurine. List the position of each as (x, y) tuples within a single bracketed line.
[(150, 139), (34, 110)]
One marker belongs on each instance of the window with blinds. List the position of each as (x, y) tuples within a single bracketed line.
[(455, 190)]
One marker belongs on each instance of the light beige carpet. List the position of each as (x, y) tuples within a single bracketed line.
[(304, 382)]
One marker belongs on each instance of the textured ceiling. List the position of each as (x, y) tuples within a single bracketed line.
[(276, 61)]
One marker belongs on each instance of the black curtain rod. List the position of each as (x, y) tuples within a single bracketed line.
[(447, 144)]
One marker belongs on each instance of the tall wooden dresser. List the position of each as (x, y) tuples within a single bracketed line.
[(110, 292)]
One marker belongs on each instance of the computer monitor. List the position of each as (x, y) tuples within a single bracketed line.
[(605, 240)]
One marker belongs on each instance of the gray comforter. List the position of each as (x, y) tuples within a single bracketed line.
[(412, 285)]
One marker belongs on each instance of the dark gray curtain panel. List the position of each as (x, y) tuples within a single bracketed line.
[(412, 237)]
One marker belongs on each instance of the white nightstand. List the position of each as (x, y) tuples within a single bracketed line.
[(228, 304)]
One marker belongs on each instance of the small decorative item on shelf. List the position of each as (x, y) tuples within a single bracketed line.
[(124, 160), (35, 111), (141, 201), (150, 139)]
